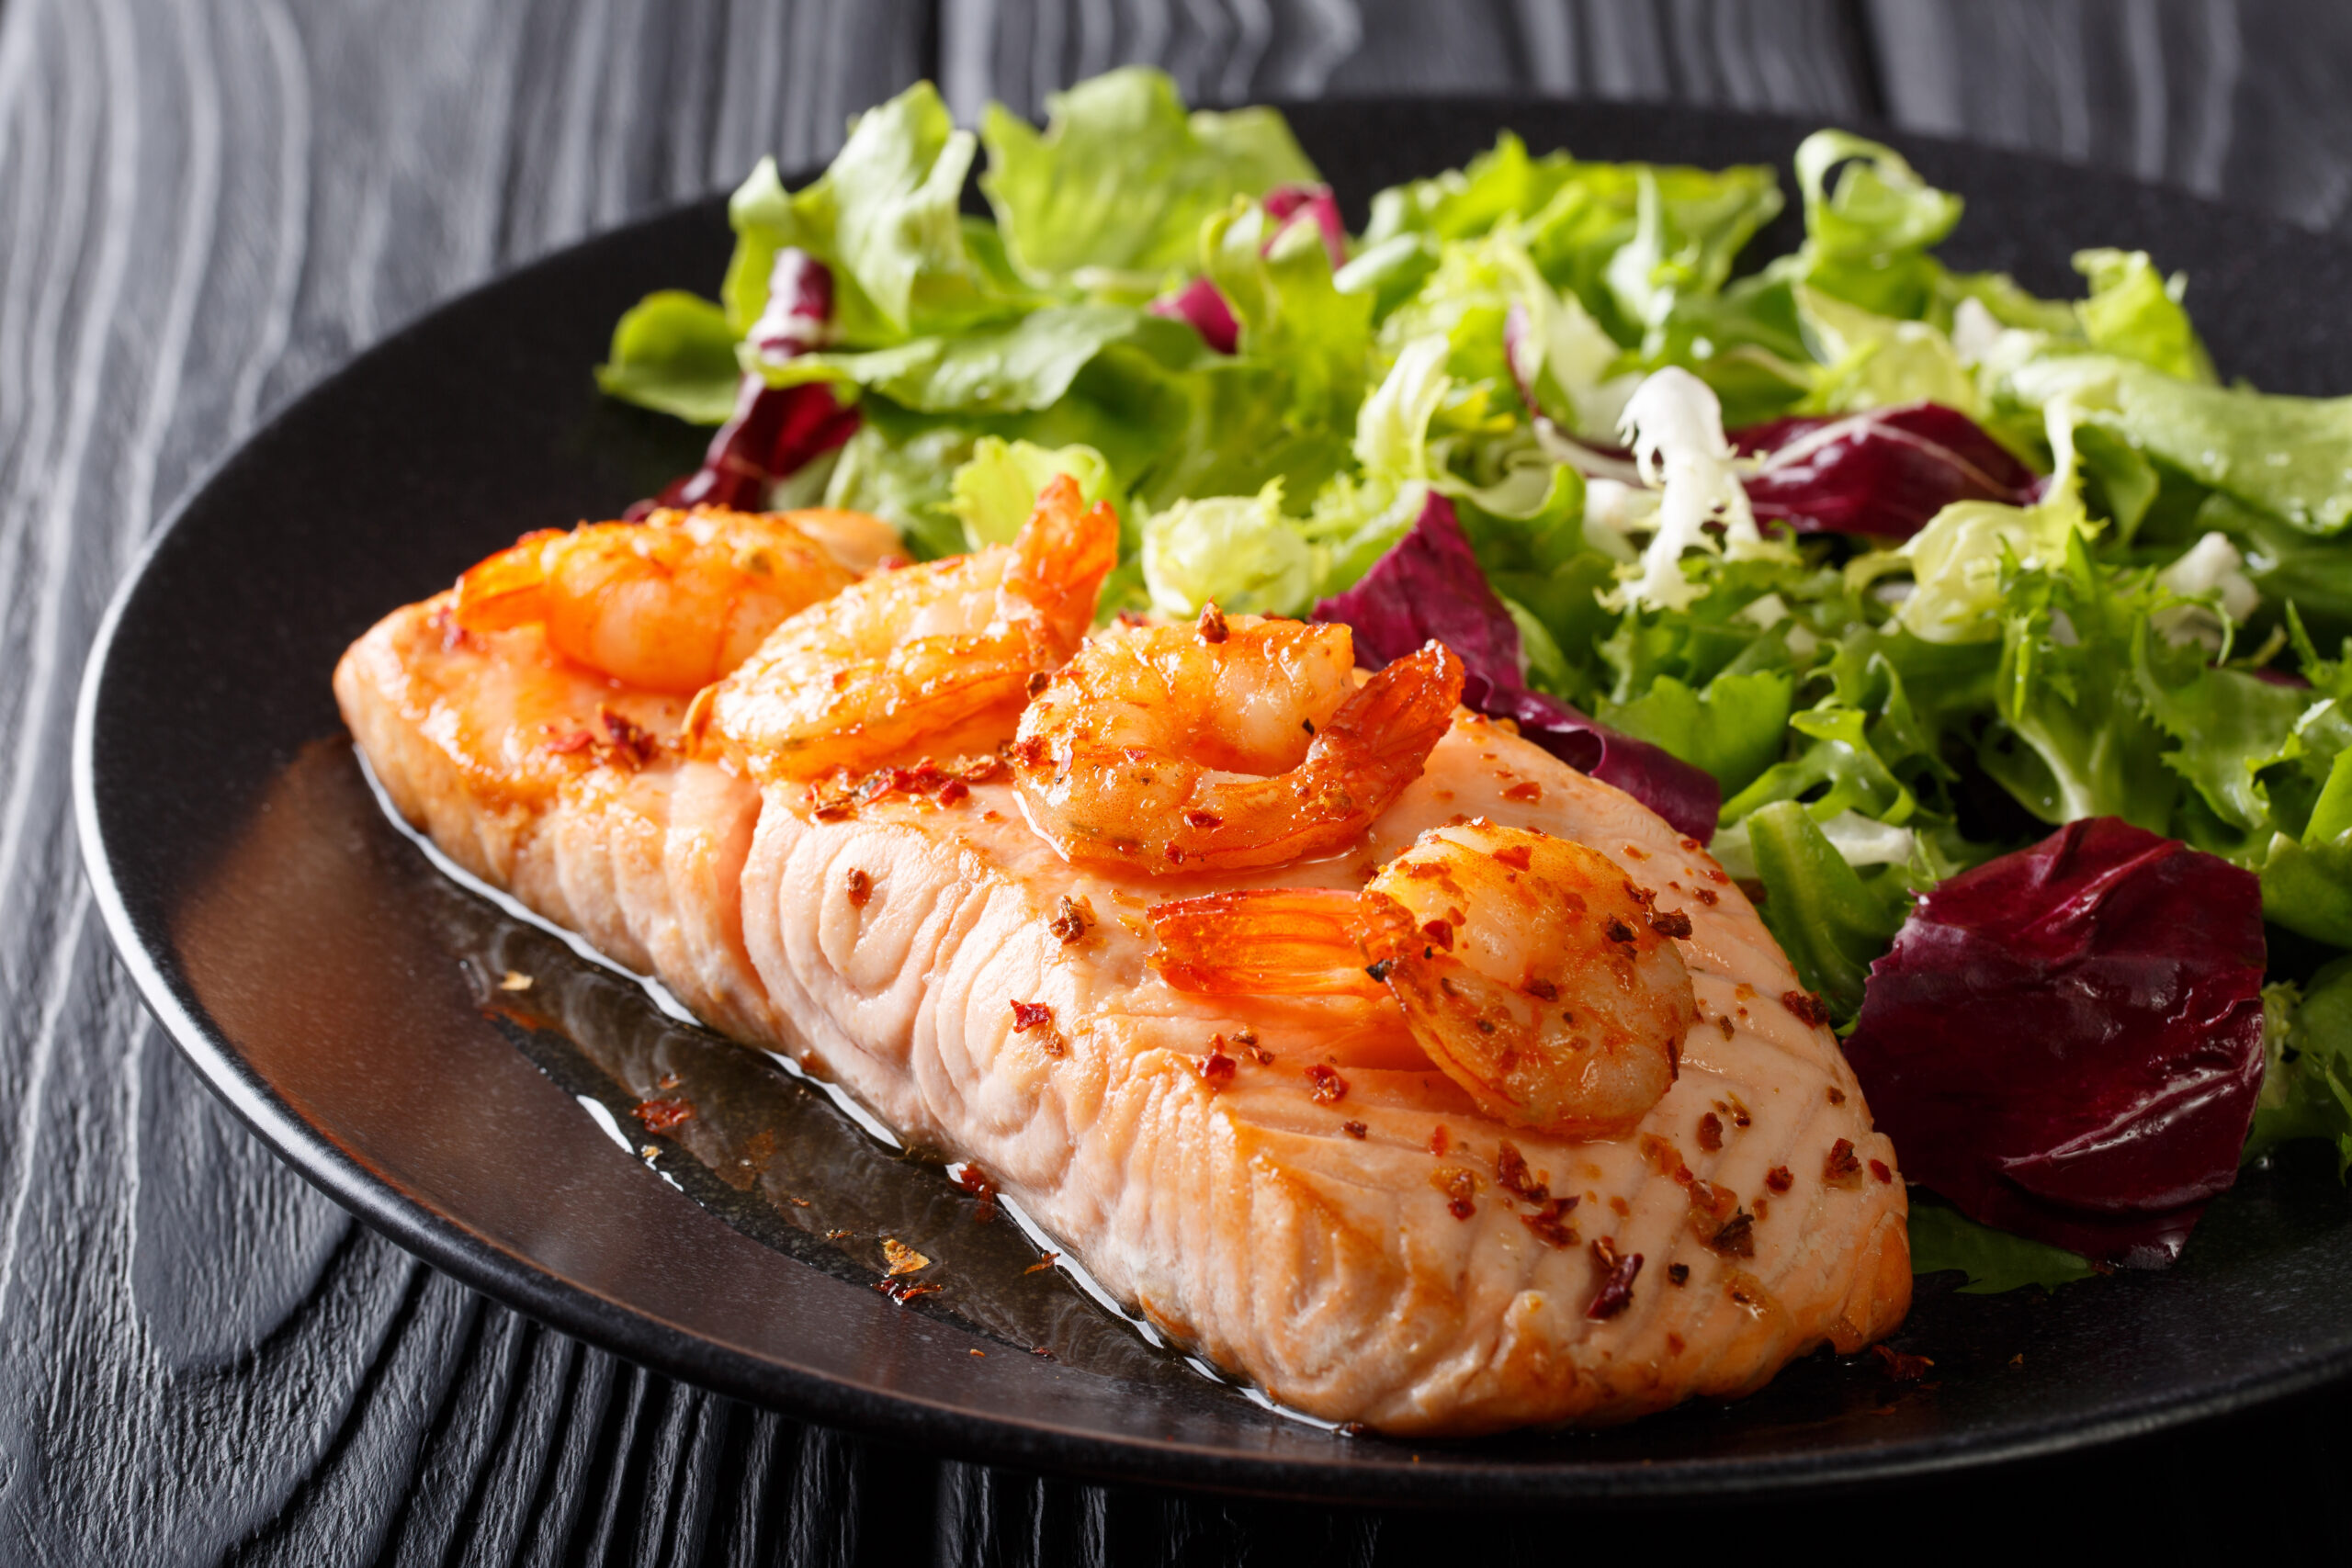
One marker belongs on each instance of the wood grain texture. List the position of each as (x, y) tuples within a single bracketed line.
[(205, 205)]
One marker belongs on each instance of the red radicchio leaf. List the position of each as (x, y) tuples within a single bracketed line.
[(774, 430), (1884, 473), (1198, 303), (2067, 1041), (1286, 202), (1430, 585)]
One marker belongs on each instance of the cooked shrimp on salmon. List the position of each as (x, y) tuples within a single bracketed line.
[(669, 604), (1532, 971), (938, 655), (1429, 1084), (1232, 744)]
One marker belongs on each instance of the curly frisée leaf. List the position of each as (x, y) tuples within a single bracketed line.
[(2307, 1085)]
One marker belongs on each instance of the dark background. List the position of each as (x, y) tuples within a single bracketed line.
[(207, 205)]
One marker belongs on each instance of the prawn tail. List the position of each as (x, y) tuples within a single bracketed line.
[(1059, 559), (1393, 720), (1263, 941), (509, 588)]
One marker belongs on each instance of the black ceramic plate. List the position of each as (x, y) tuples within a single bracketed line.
[(341, 995)]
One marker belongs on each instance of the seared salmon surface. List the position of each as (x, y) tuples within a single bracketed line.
[(1285, 1182)]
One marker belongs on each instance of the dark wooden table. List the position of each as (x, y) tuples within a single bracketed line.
[(207, 205)]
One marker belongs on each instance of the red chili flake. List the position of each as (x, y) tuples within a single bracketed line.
[(1617, 930), (1707, 895), (978, 768), (1691, 846), (1635, 851), (1025, 753), (1038, 681), (1902, 1368), (954, 792), (860, 887), (1514, 856), (1526, 790), (1673, 923), (1678, 1273), (1639, 894), (1709, 1206), (1808, 1008), (1196, 818), (1880, 1171), (1512, 1174), (1542, 990), (1739, 1116), (1460, 1187), (1217, 1068), (1616, 1292), (1028, 1016), (1439, 934), (1550, 1223), (1042, 1354), (1329, 1087), (661, 1115), (1211, 626), (1659, 1155), (1176, 854), (1725, 1025), (975, 1180), (1710, 1132), (1045, 1260), (1737, 1236), (1354, 1129), (1763, 1208), (904, 1290), (829, 802), (1841, 1169), (1441, 1141), (1715, 873), (1779, 1179), (1071, 917)]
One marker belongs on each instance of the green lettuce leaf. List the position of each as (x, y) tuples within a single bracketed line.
[(1290, 313), (1022, 366), (2135, 312), (1831, 923), (1733, 728), (1944, 1239), (993, 491), (1121, 178), (1868, 235), (884, 218), (674, 353), (2307, 1078), (2281, 455), (1236, 550)]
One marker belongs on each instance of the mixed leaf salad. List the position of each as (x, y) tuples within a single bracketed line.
[(1985, 638)]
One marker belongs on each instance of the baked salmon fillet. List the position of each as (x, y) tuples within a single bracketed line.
[(1285, 1179)]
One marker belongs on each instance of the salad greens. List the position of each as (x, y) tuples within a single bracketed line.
[(1915, 565)]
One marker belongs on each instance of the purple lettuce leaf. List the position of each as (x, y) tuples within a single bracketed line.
[(1430, 585), (1286, 202), (1884, 473), (1200, 305), (772, 430), (2067, 1041)]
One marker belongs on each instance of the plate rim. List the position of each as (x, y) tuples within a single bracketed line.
[(481, 1264)]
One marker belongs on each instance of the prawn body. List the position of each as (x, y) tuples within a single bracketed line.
[(1232, 745), (669, 604), (1528, 967), (939, 654)]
